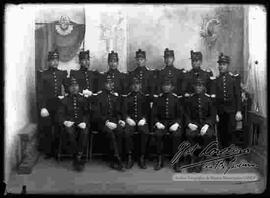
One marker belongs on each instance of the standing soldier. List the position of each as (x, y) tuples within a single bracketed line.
[(228, 101), (73, 114), (135, 111), (168, 117), (108, 103), (170, 71), (200, 119), (50, 85), (197, 72)]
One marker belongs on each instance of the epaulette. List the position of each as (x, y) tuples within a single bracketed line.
[(95, 94), (174, 94), (187, 95), (207, 95), (213, 95), (212, 77), (180, 96), (156, 96), (235, 75), (61, 97), (102, 72)]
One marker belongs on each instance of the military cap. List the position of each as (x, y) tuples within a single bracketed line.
[(140, 53), (84, 55), (223, 59), (53, 54), (195, 55), (113, 55), (168, 53)]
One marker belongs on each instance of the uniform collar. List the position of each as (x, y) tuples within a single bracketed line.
[(224, 74), (169, 66), (83, 69), (141, 68), (196, 70), (112, 71), (53, 69)]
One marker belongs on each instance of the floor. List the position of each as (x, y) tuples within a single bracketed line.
[(50, 177)]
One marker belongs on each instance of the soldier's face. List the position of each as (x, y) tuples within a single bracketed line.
[(136, 87), (54, 63), (167, 88), (141, 61), (196, 63), (85, 63), (223, 67), (74, 89), (113, 63), (199, 89), (169, 60)]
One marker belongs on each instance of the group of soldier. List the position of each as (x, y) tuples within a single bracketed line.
[(185, 105)]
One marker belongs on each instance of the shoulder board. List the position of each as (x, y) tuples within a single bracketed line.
[(207, 95), (80, 94), (115, 93), (184, 71), (147, 94), (155, 96), (102, 72), (212, 77), (97, 93), (180, 96), (213, 95), (174, 94), (61, 97), (233, 74)]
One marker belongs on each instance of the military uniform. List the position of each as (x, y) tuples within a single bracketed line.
[(136, 107), (108, 103), (74, 108), (168, 111), (50, 85), (171, 72), (228, 102), (193, 74)]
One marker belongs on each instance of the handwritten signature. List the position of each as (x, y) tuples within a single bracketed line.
[(212, 153)]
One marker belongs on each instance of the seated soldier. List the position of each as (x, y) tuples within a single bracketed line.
[(73, 114), (135, 111), (108, 104), (168, 115), (200, 118)]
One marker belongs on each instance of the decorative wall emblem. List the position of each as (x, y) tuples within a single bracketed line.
[(64, 26), (208, 31)]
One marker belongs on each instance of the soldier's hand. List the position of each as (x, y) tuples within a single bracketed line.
[(131, 122), (122, 123), (44, 112), (160, 125), (204, 129), (82, 125), (174, 127), (217, 118), (68, 123), (238, 116), (193, 127), (111, 125), (142, 122), (87, 93)]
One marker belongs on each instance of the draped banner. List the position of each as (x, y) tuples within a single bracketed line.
[(62, 29)]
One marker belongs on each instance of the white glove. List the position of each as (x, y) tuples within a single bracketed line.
[(217, 118), (82, 125), (130, 121), (122, 123), (68, 123), (193, 127), (160, 126), (142, 122), (238, 116), (174, 127), (111, 125), (204, 129), (44, 112), (87, 93)]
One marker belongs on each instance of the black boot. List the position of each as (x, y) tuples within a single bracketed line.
[(176, 167), (159, 163), (78, 163), (142, 162), (118, 164), (130, 161)]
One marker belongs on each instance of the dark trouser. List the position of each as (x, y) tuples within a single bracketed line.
[(73, 132), (115, 137), (49, 128), (143, 132), (194, 137), (226, 126), (177, 137)]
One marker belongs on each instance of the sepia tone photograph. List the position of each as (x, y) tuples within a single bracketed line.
[(135, 99)]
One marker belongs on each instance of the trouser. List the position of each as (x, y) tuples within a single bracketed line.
[(226, 126), (143, 133), (177, 137), (194, 137), (75, 132), (115, 137)]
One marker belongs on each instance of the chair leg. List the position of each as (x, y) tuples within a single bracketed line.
[(59, 146), (87, 148), (91, 146)]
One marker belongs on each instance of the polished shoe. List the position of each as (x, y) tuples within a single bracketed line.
[(177, 168), (130, 162), (142, 163), (78, 163), (159, 163), (119, 164)]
